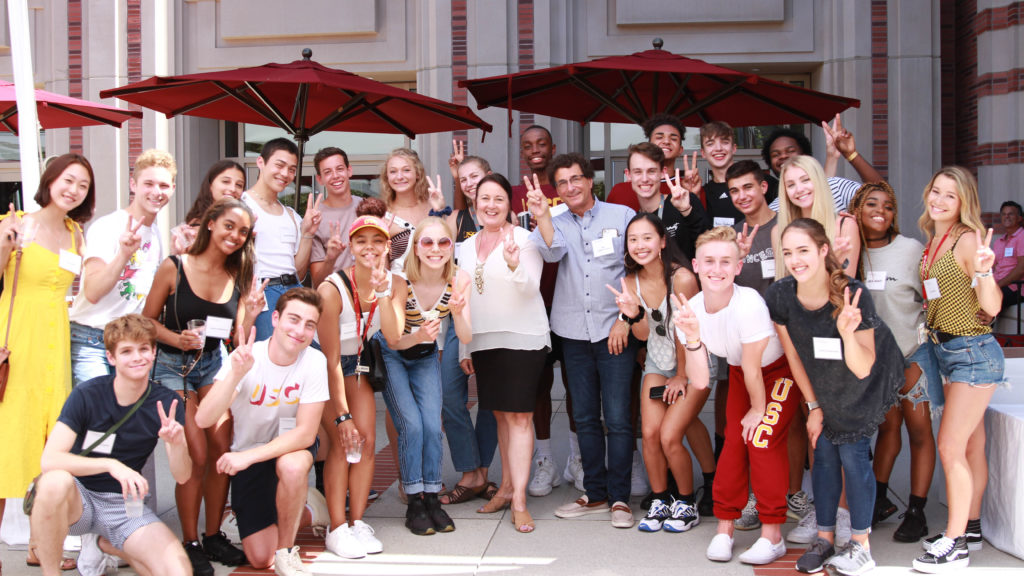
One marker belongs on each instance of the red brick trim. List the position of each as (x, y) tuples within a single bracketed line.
[(75, 65), (1000, 18), (1000, 83), (134, 47), (880, 85), (460, 57), (524, 29), (997, 154)]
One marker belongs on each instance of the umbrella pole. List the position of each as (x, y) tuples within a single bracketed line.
[(301, 142)]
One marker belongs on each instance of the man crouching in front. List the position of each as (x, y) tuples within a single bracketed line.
[(91, 481)]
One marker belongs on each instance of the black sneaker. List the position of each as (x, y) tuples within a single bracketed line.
[(946, 554), (883, 509), (914, 526), (645, 504), (973, 538), (813, 560), (219, 549), (706, 504), (416, 518), (438, 517), (200, 563)]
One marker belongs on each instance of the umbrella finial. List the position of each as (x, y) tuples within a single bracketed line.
[(657, 43), (307, 53)]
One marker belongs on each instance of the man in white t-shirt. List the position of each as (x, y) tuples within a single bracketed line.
[(276, 390), (734, 324), (122, 254), (283, 240), (330, 246)]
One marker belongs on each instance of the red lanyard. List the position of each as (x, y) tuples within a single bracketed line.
[(359, 312), (926, 265)]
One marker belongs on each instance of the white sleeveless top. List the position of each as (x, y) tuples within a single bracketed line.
[(351, 331), (660, 349)]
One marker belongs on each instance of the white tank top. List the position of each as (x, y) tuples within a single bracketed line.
[(351, 331)]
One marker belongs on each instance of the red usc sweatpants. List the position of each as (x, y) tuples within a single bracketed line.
[(764, 462)]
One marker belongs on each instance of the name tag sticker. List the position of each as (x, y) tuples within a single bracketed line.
[(720, 221), (828, 348), (609, 233), (105, 447), (284, 425), (73, 262), (1007, 253), (931, 289), (348, 330), (875, 280), (218, 327), (559, 209), (768, 268), (603, 247)]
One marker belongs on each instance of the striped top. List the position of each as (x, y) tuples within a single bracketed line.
[(414, 314), (954, 311)]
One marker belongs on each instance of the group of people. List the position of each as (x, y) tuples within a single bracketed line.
[(818, 321)]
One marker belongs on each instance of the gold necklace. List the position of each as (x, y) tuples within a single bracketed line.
[(478, 273)]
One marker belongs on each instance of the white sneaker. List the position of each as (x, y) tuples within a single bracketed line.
[(806, 530), (843, 528), (95, 562), (574, 472), (544, 478), (638, 479), (343, 542), (764, 552), (364, 533), (720, 548), (287, 562)]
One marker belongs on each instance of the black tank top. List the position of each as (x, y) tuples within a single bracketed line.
[(183, 305)]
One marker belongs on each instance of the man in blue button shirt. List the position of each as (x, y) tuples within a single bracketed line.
[(588, 242)]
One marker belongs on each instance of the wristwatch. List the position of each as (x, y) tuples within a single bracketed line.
[(811, 406), (342, 418)]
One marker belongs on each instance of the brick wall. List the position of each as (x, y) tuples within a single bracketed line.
[(526, 62), (459, 58), (880, 85)]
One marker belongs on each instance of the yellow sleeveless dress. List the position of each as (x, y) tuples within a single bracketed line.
[(40, 377)]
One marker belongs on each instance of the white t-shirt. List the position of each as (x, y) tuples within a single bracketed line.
[(277, 240), (128, 295), (269, 393), (743, 321)]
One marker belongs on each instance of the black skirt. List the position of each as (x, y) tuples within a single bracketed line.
[(507, 380)]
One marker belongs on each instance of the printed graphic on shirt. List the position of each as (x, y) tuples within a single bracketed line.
[(772, 412), (126, 287), (263, 395)]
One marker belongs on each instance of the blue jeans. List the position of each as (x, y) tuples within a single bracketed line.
[(470, 448), (413, 398), (264, 325), (831, 463), (88, 356), (599, 384)]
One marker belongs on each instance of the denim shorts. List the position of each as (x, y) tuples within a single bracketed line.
[(198, 374), (348, 364), (651, 368), (975, 360), (928, 387)]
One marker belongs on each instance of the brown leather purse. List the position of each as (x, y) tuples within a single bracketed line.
[(5, 352)]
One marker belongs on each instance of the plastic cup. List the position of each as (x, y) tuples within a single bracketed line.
[(524, 219), (133, 505), (354, 453), (199, 328)]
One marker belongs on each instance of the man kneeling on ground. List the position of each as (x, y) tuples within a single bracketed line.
[(276, 390), (102, 491)]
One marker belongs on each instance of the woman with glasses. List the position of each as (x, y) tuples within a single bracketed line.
[(669, 405), (435, 290), (199, 296)]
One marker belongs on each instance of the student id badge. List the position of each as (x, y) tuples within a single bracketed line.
[(931, 289), (348, 330), (722, 221), (105, 447), (768, 268), (284, 425), (875, 280), (218, 327), (828, 348), (603, 246), (1007, 252), (73, 262)]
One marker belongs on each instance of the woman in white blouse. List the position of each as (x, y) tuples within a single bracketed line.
[(510, 337)]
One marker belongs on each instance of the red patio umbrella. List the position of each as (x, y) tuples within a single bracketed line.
[(630, 89), (58, 111), (303, 98)]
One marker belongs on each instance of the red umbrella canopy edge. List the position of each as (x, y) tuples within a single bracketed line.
[(59, 111)]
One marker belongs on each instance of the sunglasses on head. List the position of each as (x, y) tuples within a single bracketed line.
[(443, 242)]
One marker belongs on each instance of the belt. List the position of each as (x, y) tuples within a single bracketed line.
[(283, 279), (941, 337)]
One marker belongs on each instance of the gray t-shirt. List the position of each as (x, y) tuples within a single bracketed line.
[(758, 270), (343, 216), (892, 275)]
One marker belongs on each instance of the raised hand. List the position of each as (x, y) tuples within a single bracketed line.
[(311, 220), (130, 241), (691, 175), (11, 229), (843, 138), (536, 201), (335, 243), (627, 304), (831, 149), (510, 250), (849, 318), (680, 197), (434, 194), (241, 357), (459, 299), (458, 155), (171, 431), (684, 318), (984, 258), (256, 299), (745, 239), (379, 276)]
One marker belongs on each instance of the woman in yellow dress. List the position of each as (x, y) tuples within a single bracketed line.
[(50, 241)]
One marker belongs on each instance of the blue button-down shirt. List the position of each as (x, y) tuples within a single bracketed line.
[(583, 309)]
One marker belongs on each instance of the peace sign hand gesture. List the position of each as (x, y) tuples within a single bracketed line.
[(256, 300), (130, 241), (627, 304), (335, 244), (849, 318), (684, 318), (241, 357), (510, 250), (691, 175), (680, 196), (434, 194), (459, 299), (311, 220), (536, 201), (745, 240), (380, 277), (984, 258), (11, 229), (458, 155), (171, 431)]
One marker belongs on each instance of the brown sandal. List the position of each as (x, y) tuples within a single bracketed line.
[(66, 563), (522, 521), (496, 504), (461, 494), (490, 491)]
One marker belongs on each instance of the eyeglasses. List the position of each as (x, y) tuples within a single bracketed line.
[(563, 184), (658, 317), (443, 243)]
